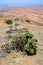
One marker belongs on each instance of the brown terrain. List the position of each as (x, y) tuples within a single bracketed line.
[(35, 26)]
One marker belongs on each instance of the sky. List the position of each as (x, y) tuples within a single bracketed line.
[(20, 2)]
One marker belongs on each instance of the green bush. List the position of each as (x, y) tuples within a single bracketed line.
[(19, 42), (25, 43), (31, 51), (28, 35), (8, 22), (30, 47), (26, 47), (27, 20)]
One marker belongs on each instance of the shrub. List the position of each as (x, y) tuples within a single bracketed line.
[(27, 20), (25, 43), (30, 47), (19, 42), (16, 19), (26, 47), (31, 51), (8, 22), (29, 35)]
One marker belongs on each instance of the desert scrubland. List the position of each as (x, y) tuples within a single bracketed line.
[(35, 26)]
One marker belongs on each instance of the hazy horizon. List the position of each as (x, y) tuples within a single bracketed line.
[(20, 3)]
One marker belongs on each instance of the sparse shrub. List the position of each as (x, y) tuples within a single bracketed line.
[(19, 42), (25, 43), (27, 20), (16, 19), (8, 22), (6, 48)]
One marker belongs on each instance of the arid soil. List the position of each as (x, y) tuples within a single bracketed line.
[(35, 26)]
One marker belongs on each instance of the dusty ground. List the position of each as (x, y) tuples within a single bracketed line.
[(35, 27)]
